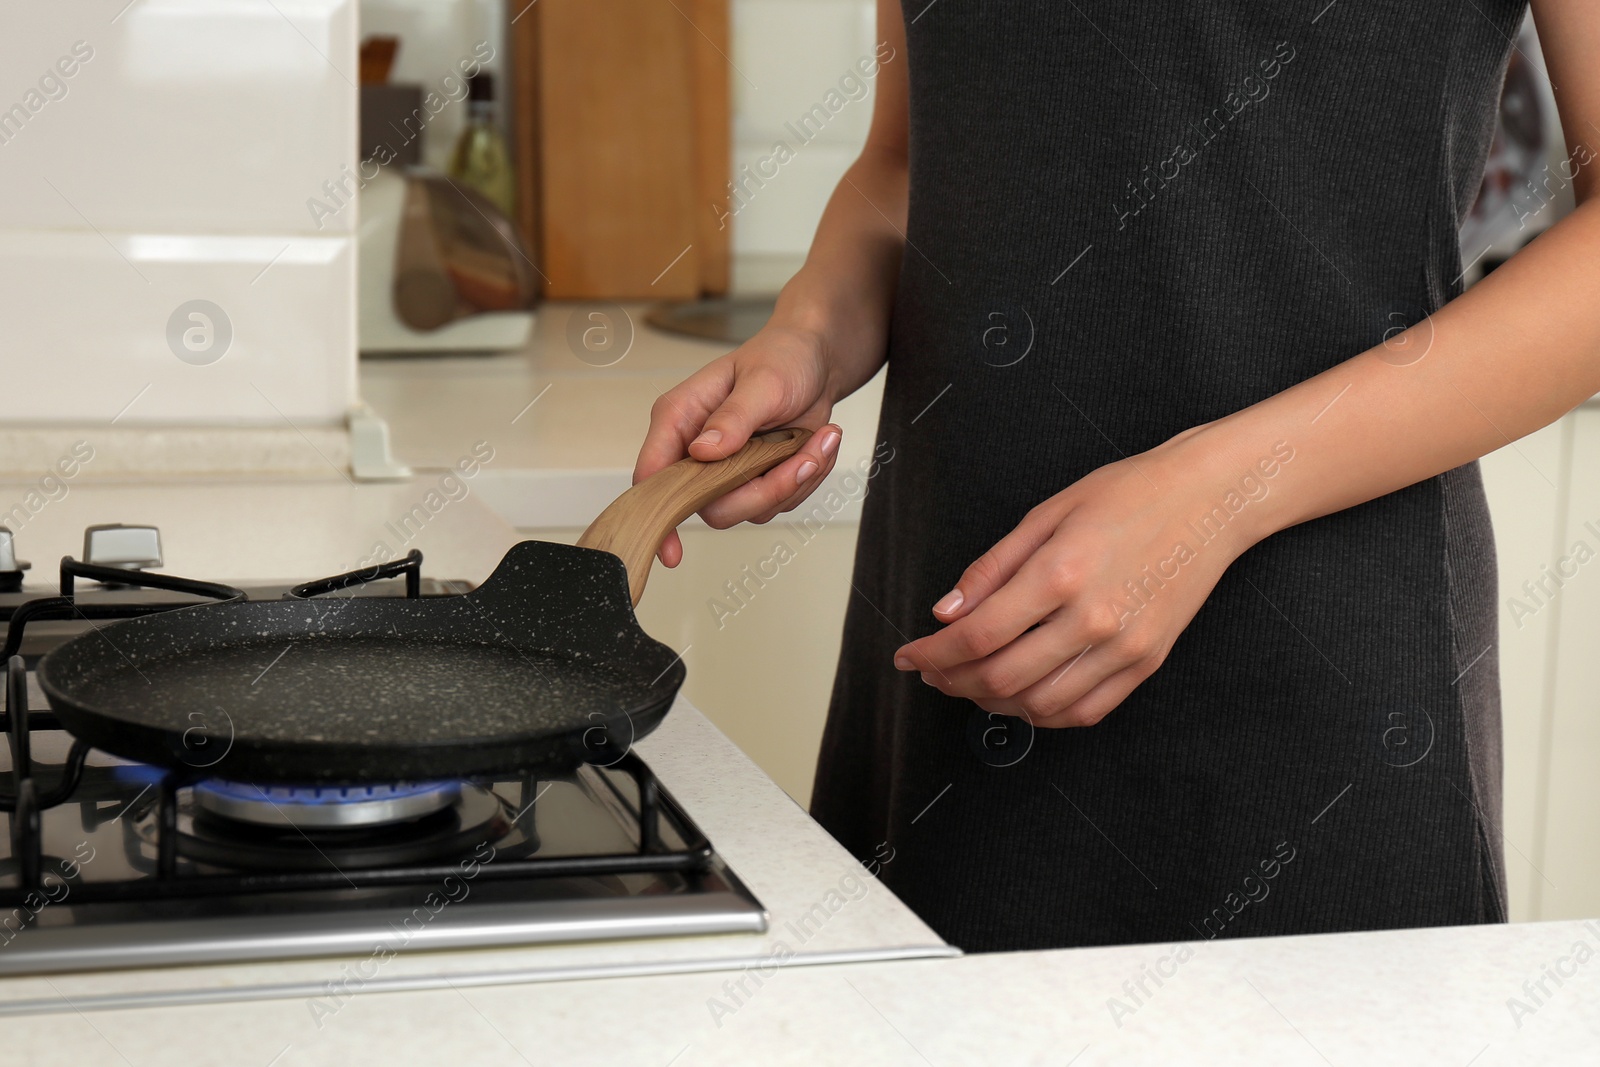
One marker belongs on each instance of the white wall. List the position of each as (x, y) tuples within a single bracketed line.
[(788, 55)]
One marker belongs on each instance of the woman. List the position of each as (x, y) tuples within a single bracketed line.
[(1174, 610)]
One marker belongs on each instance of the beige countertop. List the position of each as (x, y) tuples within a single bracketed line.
[(565, 432), (1464, 997)]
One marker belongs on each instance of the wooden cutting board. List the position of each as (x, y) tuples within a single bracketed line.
[(622, 117)]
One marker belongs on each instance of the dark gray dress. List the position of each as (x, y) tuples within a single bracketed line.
[(1126, 220)]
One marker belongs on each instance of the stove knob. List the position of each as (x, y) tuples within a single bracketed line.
[(132, 548), (10, 567)]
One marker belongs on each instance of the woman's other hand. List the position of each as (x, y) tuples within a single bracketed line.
[(1069, 612)]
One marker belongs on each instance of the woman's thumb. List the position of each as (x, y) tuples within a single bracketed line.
[(751, 405)]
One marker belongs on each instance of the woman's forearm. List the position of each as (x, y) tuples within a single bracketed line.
[(1513, 354), (843, 296), (845, 291)]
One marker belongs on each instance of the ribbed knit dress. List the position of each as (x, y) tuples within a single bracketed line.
[(1127, 220)]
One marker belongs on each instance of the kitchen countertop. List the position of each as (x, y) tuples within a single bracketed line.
[(1440, 996), (565, 432)]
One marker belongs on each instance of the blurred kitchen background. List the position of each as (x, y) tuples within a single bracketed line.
[(208, 207)]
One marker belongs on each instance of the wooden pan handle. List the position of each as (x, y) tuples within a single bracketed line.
[(637, 521)]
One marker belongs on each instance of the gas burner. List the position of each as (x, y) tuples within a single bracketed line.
[(324, 807), (471, 816)]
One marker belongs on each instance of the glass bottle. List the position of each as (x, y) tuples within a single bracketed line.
[(481, 158)]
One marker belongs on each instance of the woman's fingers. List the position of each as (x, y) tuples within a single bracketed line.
[(817, 460), (775, 379), (677, 415), (781, 488), (997, 621), (709, 417), (1047, 652), (763, 498), (1099, 701), (758, 398), (675, 418), (1059, 688), (995, 567), (671, 551)]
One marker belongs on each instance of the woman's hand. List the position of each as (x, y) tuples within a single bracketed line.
[(1068, 613), (777, 378)]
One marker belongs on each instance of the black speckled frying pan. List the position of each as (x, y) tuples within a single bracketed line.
[(540, 668)]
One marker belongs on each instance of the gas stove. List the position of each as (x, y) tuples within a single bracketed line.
[(109, 863)]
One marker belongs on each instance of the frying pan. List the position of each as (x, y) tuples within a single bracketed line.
[(539, 668)]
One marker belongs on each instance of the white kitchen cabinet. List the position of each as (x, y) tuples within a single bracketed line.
[(160, 261), (1523, 482), (1544, 494), (178, 117), (1568, 849)]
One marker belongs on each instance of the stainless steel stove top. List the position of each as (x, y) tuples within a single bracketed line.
[(106, 835)]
